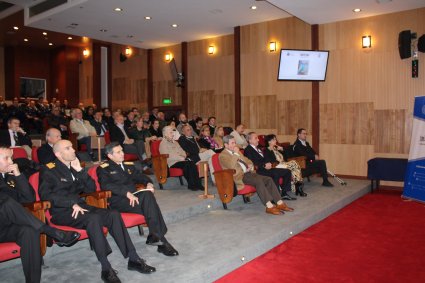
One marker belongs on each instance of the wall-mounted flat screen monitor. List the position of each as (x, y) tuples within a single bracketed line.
[(302, 65), (32, 87)]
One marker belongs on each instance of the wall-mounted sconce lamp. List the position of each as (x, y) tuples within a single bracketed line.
[(211, 50), (86, 52), (272, 46), (367, 41), (168, 57), (127, 53)]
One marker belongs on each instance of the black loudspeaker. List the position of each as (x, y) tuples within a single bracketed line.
[(404, 42), (421, 43)]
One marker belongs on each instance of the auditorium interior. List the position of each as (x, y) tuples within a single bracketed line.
[(221, 59)]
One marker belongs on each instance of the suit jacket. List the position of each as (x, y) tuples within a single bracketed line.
[(112, 177), (17, 187), (301, 150), (82, 131), (191, 147), (6, 141), (98, 126), (45, 154), (256, 158), (58, 186), (230, 161), (116, 134)]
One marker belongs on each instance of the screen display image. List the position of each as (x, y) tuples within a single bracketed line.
[(302, 65), (32, 88)]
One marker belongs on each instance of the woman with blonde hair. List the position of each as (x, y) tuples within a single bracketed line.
[(218, 136)]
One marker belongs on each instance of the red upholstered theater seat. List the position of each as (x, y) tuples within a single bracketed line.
[(34, 154), (160, 166), (225, 183), (34, 181), (9, 250), (130, 219), (19, 152)]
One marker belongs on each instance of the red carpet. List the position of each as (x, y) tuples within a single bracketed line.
[(378, 238)]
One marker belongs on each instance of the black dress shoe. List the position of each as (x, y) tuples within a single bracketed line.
[(66, 238), (285, 196), (110, 276), (153, 241), (168, 250), (326, 183), (299, 189), (141, 266)]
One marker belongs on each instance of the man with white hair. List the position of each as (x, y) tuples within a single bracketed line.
[(45, 152), (61, 182), (83, 128)]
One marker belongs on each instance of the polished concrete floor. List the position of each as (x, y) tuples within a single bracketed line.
[(211, 241)]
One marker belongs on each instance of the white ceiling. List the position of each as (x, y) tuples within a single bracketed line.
[(196, 19)]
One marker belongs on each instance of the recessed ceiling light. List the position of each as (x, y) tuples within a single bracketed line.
[(118, 9), (69, 37), (50, 43), (357, 10), (25, 39), (103, 30), (253, 7), (174, 25), (148, 18), (44, 33), (15, 28)]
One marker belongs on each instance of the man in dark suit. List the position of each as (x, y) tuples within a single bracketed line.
[(119, 133), (58, 121), (61, 182), (45, 152), (122, 179), (211, 124), (15, 136), (17, 224), (99, 124), (301, 147), (265, 168)]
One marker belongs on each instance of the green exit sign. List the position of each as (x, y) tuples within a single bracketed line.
[(167, 100)]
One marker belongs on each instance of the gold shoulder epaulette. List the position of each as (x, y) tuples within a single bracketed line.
[(51, 165), (104, 165), (129, 163)]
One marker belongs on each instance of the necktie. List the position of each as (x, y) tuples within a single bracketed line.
[(15, 137)]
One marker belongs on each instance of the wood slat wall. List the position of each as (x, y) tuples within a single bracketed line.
[(211, 81), (367, 99), (86, 79)]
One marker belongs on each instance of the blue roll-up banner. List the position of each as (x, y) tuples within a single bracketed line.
[(414, 181)]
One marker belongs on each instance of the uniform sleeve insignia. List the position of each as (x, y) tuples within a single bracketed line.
[(129, 163), (51, 165), (104, 165)]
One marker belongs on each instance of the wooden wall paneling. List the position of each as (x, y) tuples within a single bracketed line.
[(86, 78), (238, 76), (292, 115), (347, 123), (259, 112), (390, 131), (224, 110)]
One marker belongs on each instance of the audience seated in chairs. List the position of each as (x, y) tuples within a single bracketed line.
[(218, 136), (194, 152), (155, 129), (239, 136), (17, 224), (177, 158), (301, 147), (122, 178), (274, 154), (119, 133), (83, 128), (57, 120), (183, 121), (231, 158), (45, 152), (141, 132), (15, 136), (265, 167), (61, 182), (198, 126), (207, 142)]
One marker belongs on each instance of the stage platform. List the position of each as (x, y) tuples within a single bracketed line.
[(211, 241)]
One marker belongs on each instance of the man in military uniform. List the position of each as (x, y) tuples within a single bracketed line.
[(17, 224), (61, 182), (121, 178)]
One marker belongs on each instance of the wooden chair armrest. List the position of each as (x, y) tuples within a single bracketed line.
[(38, 205), (160, 167), (301, 160), (97, 199), (140, 187), (225, 184)]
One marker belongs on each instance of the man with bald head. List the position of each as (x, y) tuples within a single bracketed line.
[(61, 182), (45, 152)]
